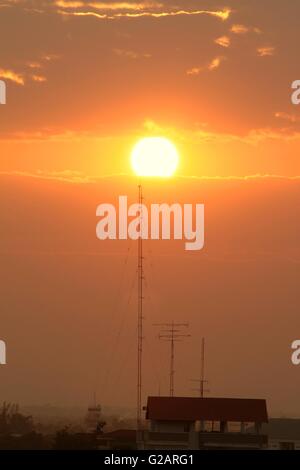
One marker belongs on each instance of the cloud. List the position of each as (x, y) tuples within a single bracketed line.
[(215, 63), (287, 117), (110, 6), (212, 65), (199, 133), (256, 176), (138, 13), (259, 135), (194, 71), (66, 176), (40, 62), (51, 57), (125, 5), (253, 137), (111, 10), (223, 41), (77, 177), (12, 76), (265, 51), (38, 78), (34, 65), (131, 54), (242, 29), (65, 4), (48, 134), (116, 9)]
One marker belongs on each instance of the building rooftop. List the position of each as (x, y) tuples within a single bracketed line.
[(209, 409)]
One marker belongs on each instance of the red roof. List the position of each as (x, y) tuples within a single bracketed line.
[(210, 409)]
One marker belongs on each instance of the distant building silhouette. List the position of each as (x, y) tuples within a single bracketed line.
[(283, 433)]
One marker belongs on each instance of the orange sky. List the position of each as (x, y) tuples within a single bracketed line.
[(91, 78), (84, 82), (69, 300)]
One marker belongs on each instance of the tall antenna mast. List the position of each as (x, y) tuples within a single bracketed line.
[(172, 334), (140, 322), (202, 380)]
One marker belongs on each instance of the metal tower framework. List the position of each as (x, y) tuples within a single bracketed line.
[(140, 320), (201, 381), (171, 332)]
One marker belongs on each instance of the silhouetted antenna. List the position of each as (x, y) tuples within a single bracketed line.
[(172, 333), (201, 381), (140, 321)]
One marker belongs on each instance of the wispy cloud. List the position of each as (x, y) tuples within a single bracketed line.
[(110, 6), (242, 29), (256, 176), (50, 57), (194, 71), (34, 65), (38, 78), (125, 5), (70, 4), (66, 176), (265, 51), (212, 65), (256, 136), (31, 70), (131, 54), (40, 62), (48, 134), (111, 10), (287, 117), (215, 63), (76, 177), (138, 13), (223, 41), (12, 76), (253, 137), (199, 133)]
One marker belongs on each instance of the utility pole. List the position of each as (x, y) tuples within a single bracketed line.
[(140, 321), (171, 332), (201, 381)]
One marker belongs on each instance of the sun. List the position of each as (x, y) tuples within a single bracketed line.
[(154, 156)]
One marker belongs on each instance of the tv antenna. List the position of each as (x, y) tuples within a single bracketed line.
[(201, 381), (140, 320), (171, 332)]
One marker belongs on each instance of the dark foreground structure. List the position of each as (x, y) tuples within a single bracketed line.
[(172, 423), (205, 423)]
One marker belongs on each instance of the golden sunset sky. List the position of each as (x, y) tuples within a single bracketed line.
[(87, 79)]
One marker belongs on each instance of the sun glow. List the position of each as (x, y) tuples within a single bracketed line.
[(154, 156)]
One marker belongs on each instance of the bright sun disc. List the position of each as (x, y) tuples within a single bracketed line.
[(154, 156)]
